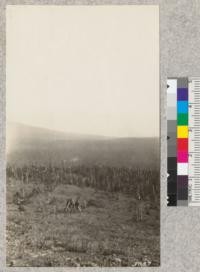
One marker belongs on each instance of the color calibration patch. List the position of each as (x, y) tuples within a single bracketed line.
[(183, 141)]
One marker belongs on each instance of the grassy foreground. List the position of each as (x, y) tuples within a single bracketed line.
[(106, 232)]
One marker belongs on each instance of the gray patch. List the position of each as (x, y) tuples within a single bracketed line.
[(172, 138), (171, 100), (182, 202), (171, 126), (182, 83), (171, 150), (171, 113)]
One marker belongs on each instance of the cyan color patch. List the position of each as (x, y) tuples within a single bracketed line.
[(182, 106)]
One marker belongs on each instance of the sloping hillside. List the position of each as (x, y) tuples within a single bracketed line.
[(27, 144)]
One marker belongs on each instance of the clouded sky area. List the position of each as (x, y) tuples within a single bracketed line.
[(84, 69)]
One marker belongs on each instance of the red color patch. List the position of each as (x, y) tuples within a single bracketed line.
[(182, 144)]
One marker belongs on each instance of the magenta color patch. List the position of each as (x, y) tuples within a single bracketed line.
[(182, 157)]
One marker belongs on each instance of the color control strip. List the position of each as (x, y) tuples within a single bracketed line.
[(183, 141)]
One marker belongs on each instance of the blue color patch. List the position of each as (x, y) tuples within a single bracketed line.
[(182, 106)]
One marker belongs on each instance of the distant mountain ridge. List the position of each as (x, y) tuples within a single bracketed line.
[(27, 131), (27, 144)]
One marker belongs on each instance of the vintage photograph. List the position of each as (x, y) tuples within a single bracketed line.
[(82, 136)]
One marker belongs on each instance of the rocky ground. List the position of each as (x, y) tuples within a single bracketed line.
[(106, 233)]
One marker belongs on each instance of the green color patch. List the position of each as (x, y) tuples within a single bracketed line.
[(182, 119)]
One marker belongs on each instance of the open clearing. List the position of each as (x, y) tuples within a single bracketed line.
[(105, 233)]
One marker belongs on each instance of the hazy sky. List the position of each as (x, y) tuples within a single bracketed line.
[(84, 69)]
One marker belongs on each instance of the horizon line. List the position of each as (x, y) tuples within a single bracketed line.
[(77, 133)]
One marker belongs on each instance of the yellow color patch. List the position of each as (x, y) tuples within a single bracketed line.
[(182, 132)]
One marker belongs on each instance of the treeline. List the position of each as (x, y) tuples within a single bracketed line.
[(143, 184)]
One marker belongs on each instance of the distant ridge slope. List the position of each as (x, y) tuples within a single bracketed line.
[(27, 144)]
